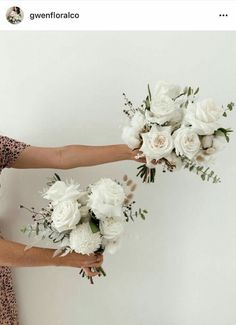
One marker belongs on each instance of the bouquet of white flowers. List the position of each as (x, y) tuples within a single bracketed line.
[(175, 129), (84, 222)]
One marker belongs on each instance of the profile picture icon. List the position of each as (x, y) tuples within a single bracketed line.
[(14, 15)]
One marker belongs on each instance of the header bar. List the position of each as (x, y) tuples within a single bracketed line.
[(118, 15)]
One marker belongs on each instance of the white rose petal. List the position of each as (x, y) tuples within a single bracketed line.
[(60, 191), (186, 142), (111, 229), (112, 246), (66, 215), (158, 143), (106, 199), (203, 117), (83, 240), (167, 89), (162, 109)]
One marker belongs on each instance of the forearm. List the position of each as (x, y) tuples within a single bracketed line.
[(12, 254), (79, 155)]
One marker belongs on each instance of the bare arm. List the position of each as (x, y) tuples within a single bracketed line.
[(12, 254), (72, 156)]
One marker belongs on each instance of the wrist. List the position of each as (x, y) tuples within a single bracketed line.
[(126, 152)]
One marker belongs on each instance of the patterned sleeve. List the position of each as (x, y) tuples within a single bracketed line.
[(10, 150)]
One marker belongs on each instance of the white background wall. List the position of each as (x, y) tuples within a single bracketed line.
[(178, 267)]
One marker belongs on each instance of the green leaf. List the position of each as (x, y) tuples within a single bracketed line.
[(57, 176), (230, 106), (93, 226), (149, 93), (37, 229), (203, 177), (196, 91), (24, 229), (142, 216)]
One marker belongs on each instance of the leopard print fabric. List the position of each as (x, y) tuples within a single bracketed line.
[(10, 150)]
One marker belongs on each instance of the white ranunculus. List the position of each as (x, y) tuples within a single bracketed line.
[(163, 109), (106, 199), (66, 215), (60, 191), (157, 143), (186, 142), (83, 240), (207, 141), (165, 88), (203, 116), (131, 137), (111, 229)]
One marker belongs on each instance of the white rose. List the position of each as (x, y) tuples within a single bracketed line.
[(60, 191), (66, 215), (106, 199), (83, 240), (111, 229), (186, 142), (163, 109), (130, 136), (167, 89), (203, 116), (157, 143)]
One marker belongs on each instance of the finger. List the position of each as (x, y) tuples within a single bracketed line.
[(93, 263), (96, 264), (89, 272), (99, 258), (154, 162)]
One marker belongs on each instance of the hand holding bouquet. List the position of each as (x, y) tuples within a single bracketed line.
[(87, 221)]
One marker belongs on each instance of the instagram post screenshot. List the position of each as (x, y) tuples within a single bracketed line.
[(117, 162)]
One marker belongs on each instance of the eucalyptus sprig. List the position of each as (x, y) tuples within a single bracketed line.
[(205, 173)]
